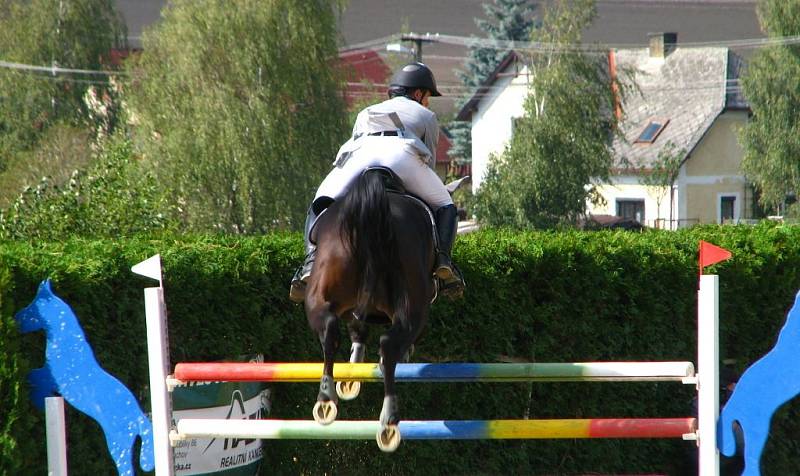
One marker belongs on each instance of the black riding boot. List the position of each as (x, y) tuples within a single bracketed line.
[(446, 227), (297, 291)]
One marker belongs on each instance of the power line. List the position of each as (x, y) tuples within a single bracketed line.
[(532, 46), (57, 70), (550, 47)]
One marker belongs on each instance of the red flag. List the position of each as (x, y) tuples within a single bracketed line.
[(710, 254)]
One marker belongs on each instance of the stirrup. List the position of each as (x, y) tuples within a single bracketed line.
[(452, 282), (297, 290)]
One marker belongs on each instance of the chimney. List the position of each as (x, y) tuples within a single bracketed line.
[(612, 69), (661, 44)]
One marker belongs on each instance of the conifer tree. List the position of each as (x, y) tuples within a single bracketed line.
[(508, 20), (562, 145)]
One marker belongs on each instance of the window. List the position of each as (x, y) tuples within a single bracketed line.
[(651, 131), (631, 209), (727, 208)]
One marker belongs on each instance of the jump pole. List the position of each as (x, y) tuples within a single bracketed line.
[(158, 364), (438, 429), (707, 379), (446, 372)]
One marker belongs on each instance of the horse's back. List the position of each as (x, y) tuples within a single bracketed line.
[(336, 275)]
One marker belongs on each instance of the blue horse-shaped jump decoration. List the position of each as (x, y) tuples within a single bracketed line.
[(70, 370), (766, 385)]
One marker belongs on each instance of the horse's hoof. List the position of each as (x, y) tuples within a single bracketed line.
[(348, 390), (388, 438), (325, 412)]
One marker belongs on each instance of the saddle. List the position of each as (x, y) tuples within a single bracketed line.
[(393, 184), (391, 180)]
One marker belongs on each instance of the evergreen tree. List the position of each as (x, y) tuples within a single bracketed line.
[(240, 112), (562, 143), (508, 20), (770, 139)]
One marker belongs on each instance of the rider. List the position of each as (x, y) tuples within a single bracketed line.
[(400, 133)]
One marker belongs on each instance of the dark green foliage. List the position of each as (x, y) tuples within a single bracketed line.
[(111, 198), (533, 296)]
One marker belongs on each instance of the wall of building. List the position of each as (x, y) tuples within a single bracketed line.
[(656, 199), (713, 171), (493, 121)]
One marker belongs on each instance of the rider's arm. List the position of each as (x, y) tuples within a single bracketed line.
[(360, 126), (432, 137)]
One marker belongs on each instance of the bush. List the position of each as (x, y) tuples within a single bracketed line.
[(532, 296)]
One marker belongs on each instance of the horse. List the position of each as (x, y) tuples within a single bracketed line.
[(70, 370), (771, 381), (374, 265)]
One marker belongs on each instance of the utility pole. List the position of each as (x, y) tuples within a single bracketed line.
[(418, 41)]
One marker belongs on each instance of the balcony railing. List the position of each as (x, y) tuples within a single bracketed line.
[(667, 224)]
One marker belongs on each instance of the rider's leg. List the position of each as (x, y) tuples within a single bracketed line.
[(446, 228), (423, 182), (332, 188), (297, 291)]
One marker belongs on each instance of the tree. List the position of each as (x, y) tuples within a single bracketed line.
[(110, 198), (239, 110), (771, 139), (505, 20), (663, 173), (73, 34), (561, 146)]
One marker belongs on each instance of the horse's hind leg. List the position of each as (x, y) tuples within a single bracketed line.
[(394, 344), (326, 324), (358, 335)]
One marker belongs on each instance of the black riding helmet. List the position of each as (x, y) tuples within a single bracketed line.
[(415, 76)]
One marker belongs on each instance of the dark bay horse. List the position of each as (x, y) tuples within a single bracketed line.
[(375, 255)]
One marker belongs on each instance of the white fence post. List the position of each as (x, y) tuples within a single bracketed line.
[(708, 374), (56, 436), (158, 364)]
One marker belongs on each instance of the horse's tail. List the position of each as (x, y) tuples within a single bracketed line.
[(147, 457), (368, 230)]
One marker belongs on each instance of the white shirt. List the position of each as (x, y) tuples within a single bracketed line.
[(418, 124)]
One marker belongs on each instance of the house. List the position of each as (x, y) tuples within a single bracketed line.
[(617, 23), (686, 106)]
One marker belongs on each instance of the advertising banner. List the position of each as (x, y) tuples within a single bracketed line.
[(228, 400)]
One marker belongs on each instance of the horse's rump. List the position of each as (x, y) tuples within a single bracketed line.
[(379, 241)]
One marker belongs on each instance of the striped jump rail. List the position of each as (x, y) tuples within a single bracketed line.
[(438, 372), (438, 429)]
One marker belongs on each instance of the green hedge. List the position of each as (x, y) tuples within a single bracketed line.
[(541, 297)]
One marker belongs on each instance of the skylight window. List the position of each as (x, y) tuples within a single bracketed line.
[(651, 131)]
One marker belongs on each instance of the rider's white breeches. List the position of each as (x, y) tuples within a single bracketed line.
[(394, 153)]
